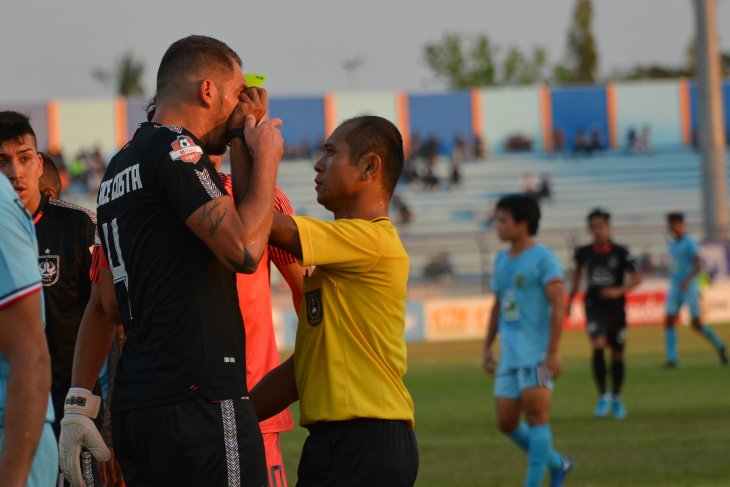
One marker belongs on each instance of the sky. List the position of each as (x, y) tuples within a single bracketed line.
[(49, 48)]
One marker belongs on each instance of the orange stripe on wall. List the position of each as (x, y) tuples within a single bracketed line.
[(54, 127), (477, 112), (685, 112), (611, 111), (120, 119), (404, 122), (546, 117), (330, 114)]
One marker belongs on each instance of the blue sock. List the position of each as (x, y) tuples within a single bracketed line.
[(670, 337), (541, 443), (710, 335), (521, 437)]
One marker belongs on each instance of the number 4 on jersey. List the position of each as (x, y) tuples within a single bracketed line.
[(116, 261)]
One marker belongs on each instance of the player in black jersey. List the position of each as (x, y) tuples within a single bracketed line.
[(65, 235), (606, 264), (173, 238)]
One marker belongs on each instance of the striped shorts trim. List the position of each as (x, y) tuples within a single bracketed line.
[(230, 437)]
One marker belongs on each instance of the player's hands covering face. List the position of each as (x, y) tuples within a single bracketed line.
[(251, 101)]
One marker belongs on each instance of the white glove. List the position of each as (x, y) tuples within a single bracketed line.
[(77, 431)]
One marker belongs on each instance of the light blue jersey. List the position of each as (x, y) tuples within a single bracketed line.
[(19, 276), (524, 317), (682, 252)]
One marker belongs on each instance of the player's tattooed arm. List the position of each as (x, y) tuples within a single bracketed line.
[(211, 217), (238, 246)]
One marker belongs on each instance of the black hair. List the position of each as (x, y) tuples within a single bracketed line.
[(50, 177), (151, 108), (675, 216), (370, 133), (14, 125), (188, 56), (523, 208), (599, 213)]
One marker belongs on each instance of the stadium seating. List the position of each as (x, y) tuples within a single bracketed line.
[(637, 190)]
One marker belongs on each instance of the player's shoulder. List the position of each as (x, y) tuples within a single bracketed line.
[(543, 251), (621, 249), (583, 250), (72, 213)]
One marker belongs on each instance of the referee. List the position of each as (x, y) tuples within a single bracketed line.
[(173, 238), (350, 352)]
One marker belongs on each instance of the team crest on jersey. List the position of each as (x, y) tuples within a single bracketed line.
[(519, 281), (313, 299), (184, 149), (49, 267)]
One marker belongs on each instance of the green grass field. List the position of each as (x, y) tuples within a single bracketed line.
[(677, 432)]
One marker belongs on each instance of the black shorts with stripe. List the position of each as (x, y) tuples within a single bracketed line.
[(192, 443), (359, 453), (609, 322)]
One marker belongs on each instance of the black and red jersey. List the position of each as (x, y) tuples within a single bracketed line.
[(605, 267), (65, 238), (178, 303)]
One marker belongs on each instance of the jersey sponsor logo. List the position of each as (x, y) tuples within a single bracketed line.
[(314, 307), (510, 308), (123, 183), (49, 266), (184, 149)]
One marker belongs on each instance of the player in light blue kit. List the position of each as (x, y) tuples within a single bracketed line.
[(28, 451), (528, 316), (684, 289)]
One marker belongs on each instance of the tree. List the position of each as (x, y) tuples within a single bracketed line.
[(519, 70), (465, 62), (126, 75), (582, 54)]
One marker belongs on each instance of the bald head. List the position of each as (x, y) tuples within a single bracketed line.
[(193, 59)]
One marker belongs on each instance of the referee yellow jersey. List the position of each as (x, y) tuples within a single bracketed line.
[(350, 347)]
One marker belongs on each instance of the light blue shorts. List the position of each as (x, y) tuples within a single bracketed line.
[(44, 471), (510, 383), (676, 298)]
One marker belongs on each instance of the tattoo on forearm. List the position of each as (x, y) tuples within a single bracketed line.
[(211, 218), (248, 266)]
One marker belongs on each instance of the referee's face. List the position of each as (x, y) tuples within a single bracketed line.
[(338, 177), (23, 166)]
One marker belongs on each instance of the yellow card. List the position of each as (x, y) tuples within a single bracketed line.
[(255, 80)]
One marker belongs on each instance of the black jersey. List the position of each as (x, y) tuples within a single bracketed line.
[(65, 238), (178, 303), (604, 268)]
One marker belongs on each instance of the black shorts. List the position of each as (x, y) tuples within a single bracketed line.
[(359, 452), (609, 323), (193, 443)]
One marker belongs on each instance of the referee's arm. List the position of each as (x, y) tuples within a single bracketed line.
[(276, 391), (285, 235)]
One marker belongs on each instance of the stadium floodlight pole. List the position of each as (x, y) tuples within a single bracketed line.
[(711, 125)]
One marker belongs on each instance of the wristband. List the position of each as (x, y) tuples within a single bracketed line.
[(82, 401), (232, 134)]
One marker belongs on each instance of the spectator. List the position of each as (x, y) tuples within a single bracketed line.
[(480, 149), (439, 268), (545, 188), (528, 185)]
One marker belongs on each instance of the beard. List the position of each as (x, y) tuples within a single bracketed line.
[(216, 141)]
